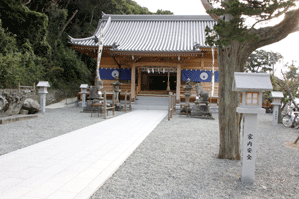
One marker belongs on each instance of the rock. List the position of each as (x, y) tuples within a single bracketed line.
[(15, 103), (201, 111), (31, 105), (24, 112), (3, 104)]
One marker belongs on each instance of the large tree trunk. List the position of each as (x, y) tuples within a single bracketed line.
[(230, 60)]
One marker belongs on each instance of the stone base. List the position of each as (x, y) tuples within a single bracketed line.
[(185, 110), (119, 107), (15, 118), (201, 111)]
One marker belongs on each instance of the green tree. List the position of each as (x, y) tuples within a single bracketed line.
[(289, 84), (27, 25), (262, 61), (236, 38), (17, 63)]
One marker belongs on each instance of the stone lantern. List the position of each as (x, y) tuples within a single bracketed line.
[(186, 108), (116, 90), (84, 88), (251, 87), (276, 102), (42, 89), (187, 93)]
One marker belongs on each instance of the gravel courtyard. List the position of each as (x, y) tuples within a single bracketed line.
[(178, 159)]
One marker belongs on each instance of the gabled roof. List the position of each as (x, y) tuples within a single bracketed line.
[(252, 82), (151, 33)]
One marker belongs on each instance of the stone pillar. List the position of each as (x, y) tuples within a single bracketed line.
[(249, 137), (43, 102), (133, 74), (178, 83), (275, 113), (139, 80), (276, 102), (83, 99), (84, 88), (43, 85)]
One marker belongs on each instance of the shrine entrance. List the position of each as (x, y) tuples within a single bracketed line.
[(157, 81)]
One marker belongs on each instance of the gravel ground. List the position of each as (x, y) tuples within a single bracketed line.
[(53, 123), (179, 160)]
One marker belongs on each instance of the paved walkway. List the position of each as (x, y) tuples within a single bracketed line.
[(74, 165)]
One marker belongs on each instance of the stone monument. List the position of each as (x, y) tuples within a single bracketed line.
[(116, 90), (43, 85), (186, 109), (250, 86), (276, 102), (84, 88), (95, 95), (201, 108)]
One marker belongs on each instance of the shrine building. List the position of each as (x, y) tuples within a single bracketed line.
[(154, 54)]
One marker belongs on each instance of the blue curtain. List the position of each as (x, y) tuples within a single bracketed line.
[(199, 75), (194, 75), (216, 73), (109, 73)]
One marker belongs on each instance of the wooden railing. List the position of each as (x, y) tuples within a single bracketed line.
[(126, 96), (31, 88), (171, 105), (104, 105)]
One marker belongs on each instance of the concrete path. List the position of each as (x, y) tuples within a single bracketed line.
[(62, 103), (76, 164)]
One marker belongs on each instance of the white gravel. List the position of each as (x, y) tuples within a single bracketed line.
[(179, 160)]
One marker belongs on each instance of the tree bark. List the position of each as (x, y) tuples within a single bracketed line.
[(230, 59)]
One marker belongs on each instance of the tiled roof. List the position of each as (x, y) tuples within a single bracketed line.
[(151, 33)]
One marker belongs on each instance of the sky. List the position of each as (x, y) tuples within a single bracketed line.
[(287, 47)]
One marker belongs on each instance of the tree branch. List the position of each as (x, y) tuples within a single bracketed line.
[(67, 23), (208, 6), (269, 35), (27, 2), (271, 17), (288, 90)]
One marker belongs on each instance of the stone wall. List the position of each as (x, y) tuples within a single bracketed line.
[(54, 95)]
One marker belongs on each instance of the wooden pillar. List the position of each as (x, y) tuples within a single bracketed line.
[(168, 86), (139, 80), (125, 101), (133, 73), (178, 83), (202, 64)]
